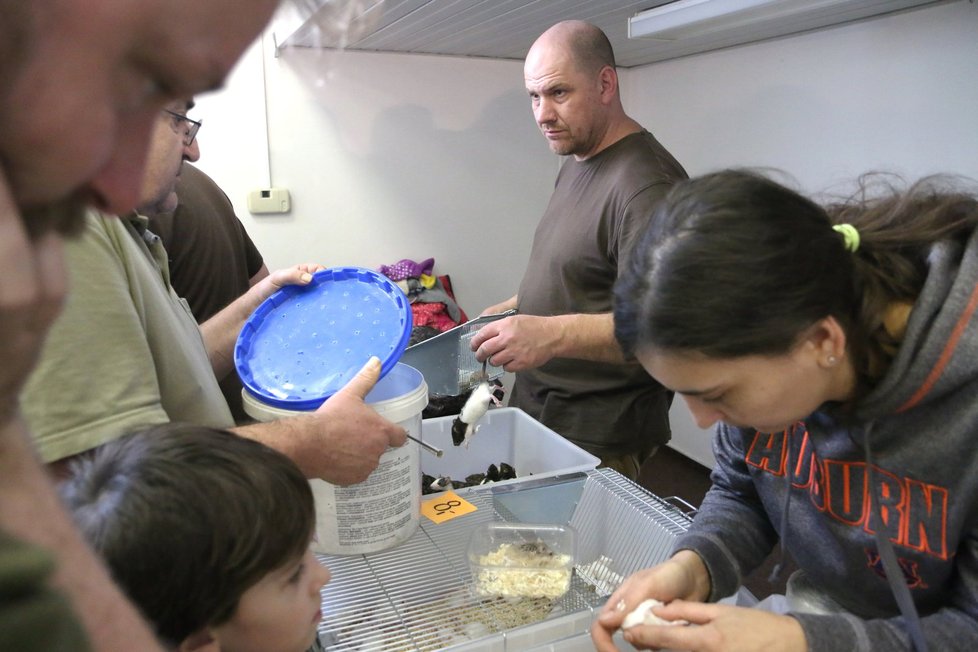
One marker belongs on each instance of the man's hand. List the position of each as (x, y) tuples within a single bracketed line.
[(300, 274), (525, 342), (347, 437), (269, 283), (220, 332), (518, 342)]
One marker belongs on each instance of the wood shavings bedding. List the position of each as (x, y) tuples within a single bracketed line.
[(524, 570)]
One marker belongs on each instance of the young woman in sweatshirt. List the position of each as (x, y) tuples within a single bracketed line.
[(836, 349)]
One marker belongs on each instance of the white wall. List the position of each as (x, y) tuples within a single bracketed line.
[(391, 157), (387, 157), (897, 93)]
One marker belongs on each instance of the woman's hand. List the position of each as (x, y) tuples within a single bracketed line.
[(683, 576), (719, 628)]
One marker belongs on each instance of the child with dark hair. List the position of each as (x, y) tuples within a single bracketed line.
[(836, 349), (208, 533)]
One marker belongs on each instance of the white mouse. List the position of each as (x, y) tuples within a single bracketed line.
[(642, 615)]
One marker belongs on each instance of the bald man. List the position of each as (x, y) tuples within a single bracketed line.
[(570, 373)]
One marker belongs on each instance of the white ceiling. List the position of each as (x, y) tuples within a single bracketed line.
[(505, 29)]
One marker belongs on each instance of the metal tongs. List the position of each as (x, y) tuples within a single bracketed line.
[(437, 452)]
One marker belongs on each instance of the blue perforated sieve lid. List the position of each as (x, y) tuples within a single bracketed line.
[(306, 342)]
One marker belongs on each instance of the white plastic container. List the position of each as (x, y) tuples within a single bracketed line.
[(505, 435), (383, 510)]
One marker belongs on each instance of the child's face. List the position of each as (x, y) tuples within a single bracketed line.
[(279, 613)]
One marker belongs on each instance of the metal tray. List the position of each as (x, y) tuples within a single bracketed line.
[(446, 361)]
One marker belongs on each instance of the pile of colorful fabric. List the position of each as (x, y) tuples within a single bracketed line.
[(434, 310), (432, 299)]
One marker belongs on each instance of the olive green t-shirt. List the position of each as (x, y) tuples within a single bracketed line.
[(212, 259), (126, 353)]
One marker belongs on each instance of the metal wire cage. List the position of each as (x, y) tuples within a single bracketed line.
[(419, 596)]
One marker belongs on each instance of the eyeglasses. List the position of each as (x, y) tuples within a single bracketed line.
[(190, 130)]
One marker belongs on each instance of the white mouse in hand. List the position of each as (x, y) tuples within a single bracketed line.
[(642, 615)]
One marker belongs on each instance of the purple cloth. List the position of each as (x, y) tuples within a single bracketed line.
[(405, 268)]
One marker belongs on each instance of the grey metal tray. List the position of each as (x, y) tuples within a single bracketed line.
[(447, 363)]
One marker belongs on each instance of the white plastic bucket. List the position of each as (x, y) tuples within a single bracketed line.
[(383, 510)]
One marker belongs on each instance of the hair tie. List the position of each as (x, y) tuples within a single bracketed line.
[(849, 235)]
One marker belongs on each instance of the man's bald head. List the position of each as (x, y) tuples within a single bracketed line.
[(586, 45)]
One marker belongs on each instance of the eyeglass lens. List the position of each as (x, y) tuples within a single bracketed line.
[(191, 126)]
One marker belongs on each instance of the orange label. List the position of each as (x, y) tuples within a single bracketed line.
[(446, 506)]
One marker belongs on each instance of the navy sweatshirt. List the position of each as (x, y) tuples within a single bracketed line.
[(924, 443)]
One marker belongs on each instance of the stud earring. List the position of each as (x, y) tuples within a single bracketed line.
[(832, 360)]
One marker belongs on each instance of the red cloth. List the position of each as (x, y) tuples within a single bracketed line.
[(432, 314), (436, 315)]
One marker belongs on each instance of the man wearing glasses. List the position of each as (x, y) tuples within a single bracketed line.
[(213, 259), (166, 156), (122, 327), (127, 352), (182, 124)]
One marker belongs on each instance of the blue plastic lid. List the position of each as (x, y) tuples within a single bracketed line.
[(304, 343)]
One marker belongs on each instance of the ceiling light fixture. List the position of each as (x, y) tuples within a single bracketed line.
[(692, 18)]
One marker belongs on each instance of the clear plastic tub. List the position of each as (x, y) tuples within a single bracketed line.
[(522, 560)]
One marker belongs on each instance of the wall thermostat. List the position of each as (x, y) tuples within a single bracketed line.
[(269, 200)]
